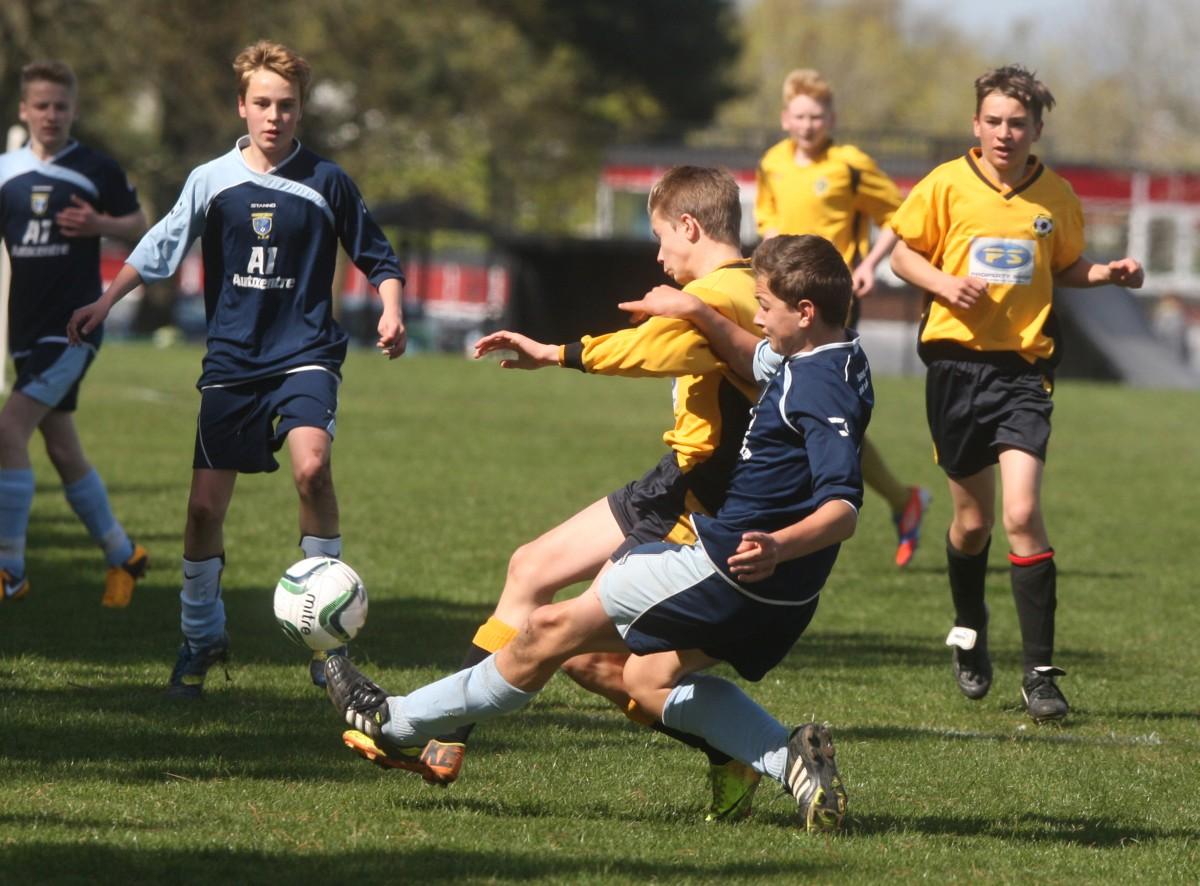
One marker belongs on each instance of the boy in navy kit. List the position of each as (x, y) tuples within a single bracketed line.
[(57, 199), (742, 593), (270, 215)]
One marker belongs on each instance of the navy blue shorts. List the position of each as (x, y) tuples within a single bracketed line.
[(664, 597), (976, 409), (241, 427), (52, 371)]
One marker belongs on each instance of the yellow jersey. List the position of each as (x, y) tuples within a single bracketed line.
[(665, 347), (836, 196), (1015, 239)]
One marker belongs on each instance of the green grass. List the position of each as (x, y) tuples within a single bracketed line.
[(443, 467)]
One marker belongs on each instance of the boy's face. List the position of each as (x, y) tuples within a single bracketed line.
[(48, 109), (809, 123), (1006, 132), (676, 246), (271, 109), (783, 325)]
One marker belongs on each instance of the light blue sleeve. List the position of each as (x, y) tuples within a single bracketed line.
[(159, 253), (766, 362)]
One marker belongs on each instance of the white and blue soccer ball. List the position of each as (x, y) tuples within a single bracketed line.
[(320, 603)]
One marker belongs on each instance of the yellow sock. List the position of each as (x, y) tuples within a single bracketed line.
[(638, 714), (493, 635)]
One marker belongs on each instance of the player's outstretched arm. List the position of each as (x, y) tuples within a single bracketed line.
[(956, 292), (87, 318), (1085, 273), (393, 338), (761, 552), (81, 219), (729, 341), (530, 354)]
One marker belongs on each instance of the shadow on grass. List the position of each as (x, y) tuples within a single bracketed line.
[(1028, 828), (420, 864), (999, 571)]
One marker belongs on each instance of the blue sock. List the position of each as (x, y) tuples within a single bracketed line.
[(730, 720), (315, 546), (202, 612), (89, 500), (16, 498), (474, 694)]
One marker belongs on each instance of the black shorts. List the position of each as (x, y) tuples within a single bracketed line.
[(241, 426), (975, 409), (655, 507)]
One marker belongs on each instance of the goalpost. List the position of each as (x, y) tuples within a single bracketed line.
[(16, 137)]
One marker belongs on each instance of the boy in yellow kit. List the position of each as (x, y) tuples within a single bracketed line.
[(807, 184), (988, 236), (695, 213)]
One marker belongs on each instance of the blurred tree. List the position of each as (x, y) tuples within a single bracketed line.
[(503, 107)]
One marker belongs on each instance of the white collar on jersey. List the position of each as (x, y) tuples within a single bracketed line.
[(244, 142)]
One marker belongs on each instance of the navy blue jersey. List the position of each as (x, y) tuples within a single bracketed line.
[(52, 275), (270, 246), (800, 451)]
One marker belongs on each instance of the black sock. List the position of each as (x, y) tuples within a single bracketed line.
[(968, 573), (715, 757), (1035, 591), (475, 654)]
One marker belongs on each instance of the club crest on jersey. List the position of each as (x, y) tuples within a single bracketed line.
[(821, 185), (261, 222), (1043, 225), (39, 200)]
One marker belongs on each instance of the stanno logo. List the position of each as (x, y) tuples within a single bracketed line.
[(261, 223)]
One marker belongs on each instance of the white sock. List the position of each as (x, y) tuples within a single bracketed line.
[(315, 546)]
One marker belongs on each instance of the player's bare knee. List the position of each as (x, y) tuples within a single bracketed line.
[(1022, 518), (522, 582), (314, 478), (204, 513), (974, 530)]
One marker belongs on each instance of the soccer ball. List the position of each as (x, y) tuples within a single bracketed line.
[(320, 603)]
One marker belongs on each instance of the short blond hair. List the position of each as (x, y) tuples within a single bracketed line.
[(274, 57), (707, 194), (806, 81)]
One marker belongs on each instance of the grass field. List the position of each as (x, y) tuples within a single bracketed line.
[(443, 467)]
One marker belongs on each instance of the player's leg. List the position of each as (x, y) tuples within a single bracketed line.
[(968, 541), (86, 494), (312, 472), (575, 550), (19, 416), (499, 684), (202, 609), (1034, 582), (908, 504), (682, 600)]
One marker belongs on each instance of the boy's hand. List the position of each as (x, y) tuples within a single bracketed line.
[(662, 301), (756, 557), (393, 337), (85, 319), (962, 292), (1126, 272), (863, 280), (530, 354), (80, 219)]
